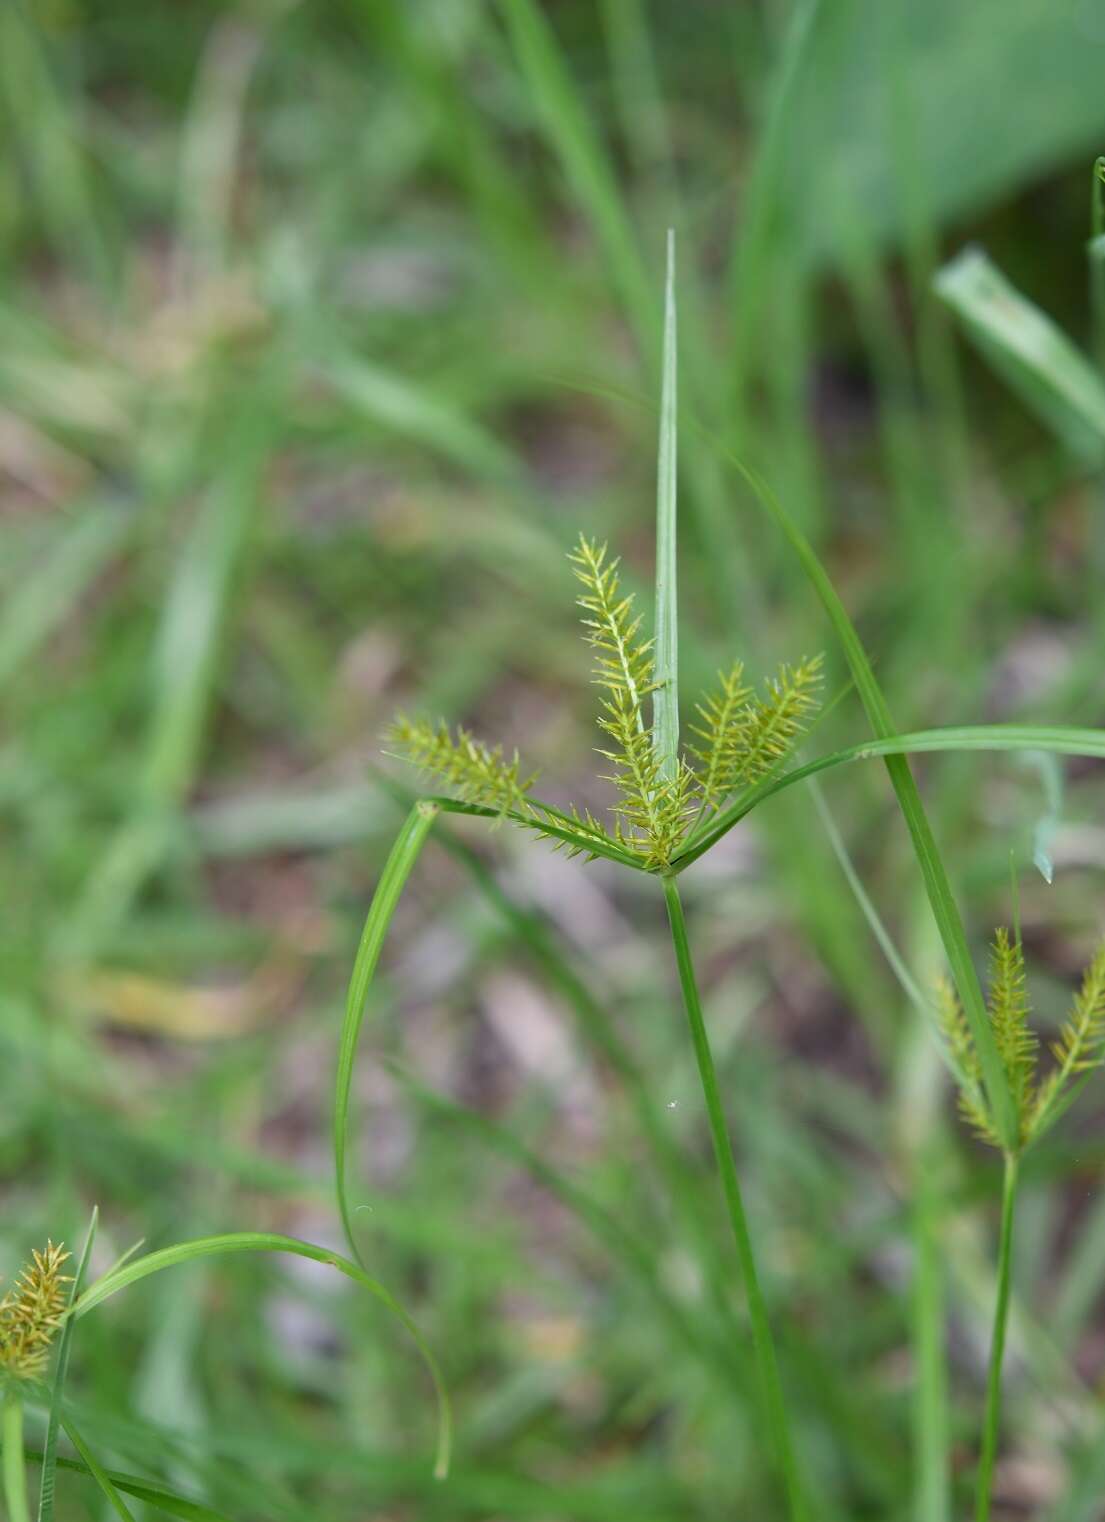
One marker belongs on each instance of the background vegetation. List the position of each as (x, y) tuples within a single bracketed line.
[(325, 327)]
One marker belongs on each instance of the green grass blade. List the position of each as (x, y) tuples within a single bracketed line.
[(397, 868), (145, 1490), (409, 410), (166, 1501), (586, 166), (750, 274), (99, 1474), (61, 1368), (933, 872), (665, 701), (1097, 262), (258, 1241), (874, 919), (1059, 739), (46, 597), (197, 608), (1038, 360), (41, 120)]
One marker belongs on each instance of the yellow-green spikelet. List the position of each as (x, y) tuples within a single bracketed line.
[(31, 1313)]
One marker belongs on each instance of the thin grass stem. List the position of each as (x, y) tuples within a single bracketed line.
[(15, 1474), (992, 1421), (763, 1343)]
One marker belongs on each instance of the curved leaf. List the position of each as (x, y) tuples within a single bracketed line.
[(255, 1241)]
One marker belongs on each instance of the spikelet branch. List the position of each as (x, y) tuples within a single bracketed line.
[(31, 1313), (652, 813), (722, 729), (479, 773), (964, 1060), (773, 722), (1080, 1047), (623, 661), (1008, 1006)]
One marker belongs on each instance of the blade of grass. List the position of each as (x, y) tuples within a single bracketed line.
[(61, 1368), (41, 116), (1034, 356), (1097, 261), (749, 273), (587, 168), (397, 868), (591, 178), (933, 871), (183, 676), (45, 598), (411, 411), (874, 920), (256, 1241), (665, 702), (1056, 738), (144, 1490), (99, 1474)]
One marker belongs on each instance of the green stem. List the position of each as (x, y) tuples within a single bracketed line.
[(997, 1344), (767, 1364), (930, 1401), (15, 1475)]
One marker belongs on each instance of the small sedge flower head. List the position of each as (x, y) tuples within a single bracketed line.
[(31, 1313)]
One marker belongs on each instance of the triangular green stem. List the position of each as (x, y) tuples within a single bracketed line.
[(775, 1414)]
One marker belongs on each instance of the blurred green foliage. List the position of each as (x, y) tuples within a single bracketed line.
[(324, 328)]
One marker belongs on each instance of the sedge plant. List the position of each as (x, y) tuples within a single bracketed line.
[(674, 804), (1038, 1103), (668, 803)]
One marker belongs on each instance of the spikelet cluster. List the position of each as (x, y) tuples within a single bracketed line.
[(1079, 1049), (31, 1312), (1080, 1046), (965, 1064), (739, 739), (652, 813), (479, 773)]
